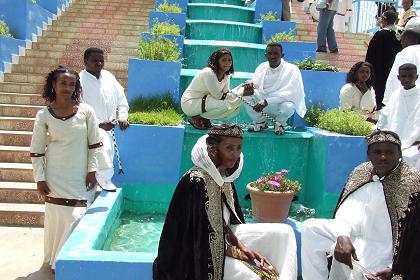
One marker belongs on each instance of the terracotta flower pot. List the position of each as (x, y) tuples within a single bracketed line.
[(270, 207)]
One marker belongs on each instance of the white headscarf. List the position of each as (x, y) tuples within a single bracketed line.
[(200, 158)]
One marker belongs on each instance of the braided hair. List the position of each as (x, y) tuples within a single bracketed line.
[(49, 93)]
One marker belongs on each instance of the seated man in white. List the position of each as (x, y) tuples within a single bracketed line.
[(278, 91), (364, 230), (402, 114)]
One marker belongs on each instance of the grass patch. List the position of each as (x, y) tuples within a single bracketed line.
[(310, 64), (344, 122), (269, 16), (158, 48), (165, 28), (160, 110), (282, 37), (4, 29), (169, 8)]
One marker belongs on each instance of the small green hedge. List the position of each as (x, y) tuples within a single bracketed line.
[(158, 48), (154, 111), (310, 64), (269, 16), (282, 37), (166, 28), (344, 122), (4, 29), (169, 8)]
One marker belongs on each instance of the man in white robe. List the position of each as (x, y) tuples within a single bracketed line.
[(278, 91), (362, 235), (103, 92), (402, 114), (410, 40)]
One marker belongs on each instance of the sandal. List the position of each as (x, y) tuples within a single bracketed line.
[(257, 127), (279, 129), (198, 123)]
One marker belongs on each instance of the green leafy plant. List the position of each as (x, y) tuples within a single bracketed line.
[(277, 182), (344, 122), (310, 64), (269, 16), (4, 29), (282, 37), (165, 28), (158, 48), (160, 110), (169, 8)]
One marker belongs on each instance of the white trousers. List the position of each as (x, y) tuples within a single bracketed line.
[(412, 157), (59, 223), (281, 112), (104, 175), (318, 239), (276, 242)]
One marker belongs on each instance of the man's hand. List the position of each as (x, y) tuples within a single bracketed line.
[(43, 188), (123, 124), (107, 125), (385, 274), (260, 105), (90, 180), (344, 251), (248, 88)]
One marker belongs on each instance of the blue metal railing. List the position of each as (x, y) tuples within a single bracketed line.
[(365, 13)]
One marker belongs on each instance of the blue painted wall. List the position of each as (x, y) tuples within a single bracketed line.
[(23, 17), (270, 28), (8, 47), (150, 154), (179, 39), (262, 7), (179, 19), (181, 3), (52, 5), (148, 78)]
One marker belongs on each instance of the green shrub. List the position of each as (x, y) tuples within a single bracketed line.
[(269, 16), (4, 29), (343, 122), (169, 8), (282, 37), (310, 64), (159, 110), (158, 48), (313, 114), (165, 28)]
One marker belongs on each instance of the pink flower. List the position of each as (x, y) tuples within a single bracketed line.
[(284, 172), (259, 180), (274, 184), (285, 40), (277, 177)]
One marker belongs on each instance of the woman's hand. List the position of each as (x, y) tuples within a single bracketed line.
[(43, 188), (251, 256), (90, 180)]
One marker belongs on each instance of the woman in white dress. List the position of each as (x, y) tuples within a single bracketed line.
[(205, 235), (358, 94), (65, 152)]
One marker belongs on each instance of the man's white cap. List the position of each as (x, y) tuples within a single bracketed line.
[(413, 25)]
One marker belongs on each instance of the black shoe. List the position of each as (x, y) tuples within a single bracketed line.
[(334, 51), (319, 50)]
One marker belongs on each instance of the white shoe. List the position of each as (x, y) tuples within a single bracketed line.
[(108, 186), (279, 129), (257, 127)]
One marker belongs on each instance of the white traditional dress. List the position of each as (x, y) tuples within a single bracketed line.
[(352, 98), (107, 98), (410, 54), (62, 159), (218, 105), (282, 88), (402, 116)]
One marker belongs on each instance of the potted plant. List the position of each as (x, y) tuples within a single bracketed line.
[(271, 196)]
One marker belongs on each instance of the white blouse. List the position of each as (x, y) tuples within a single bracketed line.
[(352, 98)]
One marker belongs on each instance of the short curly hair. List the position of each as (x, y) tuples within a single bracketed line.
[(214, 58), (49, 93), (352, 74)]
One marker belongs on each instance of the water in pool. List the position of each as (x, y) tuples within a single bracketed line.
[(140, 232)]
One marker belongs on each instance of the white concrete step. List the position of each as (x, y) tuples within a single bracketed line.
[(22, 214), (19, 192)]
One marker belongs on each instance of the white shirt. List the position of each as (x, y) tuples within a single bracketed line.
[(352, 98), (410, 54), (402, 115), (365, 219), (105, 95), (280, 84)]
